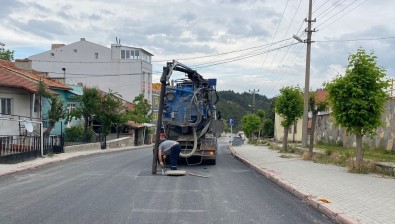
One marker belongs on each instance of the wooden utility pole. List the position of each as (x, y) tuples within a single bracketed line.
[(307, 77), (159, 121), (253, 99)]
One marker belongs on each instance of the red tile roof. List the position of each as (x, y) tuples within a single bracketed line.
[(11, 69), (321, 95), (7, 79)]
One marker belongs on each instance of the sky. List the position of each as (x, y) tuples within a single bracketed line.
[(247, 45)]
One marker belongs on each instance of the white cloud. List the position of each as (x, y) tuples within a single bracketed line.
[(177, 29)]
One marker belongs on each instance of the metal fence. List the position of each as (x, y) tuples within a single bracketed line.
[(14, 148), (53, 144), (17, 148)]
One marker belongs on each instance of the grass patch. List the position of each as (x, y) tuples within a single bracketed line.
[(334, 154)]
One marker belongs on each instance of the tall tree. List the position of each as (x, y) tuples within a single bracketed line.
[(88, 107), (314, 107), (268, 128), (289, 105), (7, 55), (357, 99), (251, 124), (56, 110), (142, 112), (111, 111), (261, 114)]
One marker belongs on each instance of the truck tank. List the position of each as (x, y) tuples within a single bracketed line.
[(189, 115)]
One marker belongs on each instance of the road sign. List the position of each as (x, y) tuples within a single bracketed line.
[(231, 122)]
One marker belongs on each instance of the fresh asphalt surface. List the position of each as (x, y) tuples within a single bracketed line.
[(119, 188)]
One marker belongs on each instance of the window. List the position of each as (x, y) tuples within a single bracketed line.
[(127, 54), (143, 82), (156, 101), (96, 55), (75, 50), (132, 54), (136, 53), (36, 105), (155, 116), (5, 106), (123, 53), (52, 54), (71, 107)]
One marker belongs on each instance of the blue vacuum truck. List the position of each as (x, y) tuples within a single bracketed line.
[(187, 113)]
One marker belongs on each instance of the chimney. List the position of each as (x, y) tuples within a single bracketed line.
[(82, 39), (54, 46)]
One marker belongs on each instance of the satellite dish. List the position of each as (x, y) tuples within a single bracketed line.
[(29, 127)]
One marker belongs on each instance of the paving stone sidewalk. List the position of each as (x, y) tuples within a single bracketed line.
[(6, 169), (354, 198)]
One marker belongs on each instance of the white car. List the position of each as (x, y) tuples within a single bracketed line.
[(231, 136)]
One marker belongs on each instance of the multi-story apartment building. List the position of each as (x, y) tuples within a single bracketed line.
[(122, 69)]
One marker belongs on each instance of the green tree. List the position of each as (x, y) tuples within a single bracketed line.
[(357, 99), (261, 114), (7, 55), (314, 107), (268, 127), (251, 124), (89, 105), (289, 105), (111, 111), (141, 112), (56, 110)]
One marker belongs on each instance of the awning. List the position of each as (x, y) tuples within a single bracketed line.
[(134, 124), (149, 125)]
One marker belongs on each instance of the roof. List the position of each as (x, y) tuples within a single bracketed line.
[(321, 95), (9, 68), (7, 79), (134, 124), (61, 47)]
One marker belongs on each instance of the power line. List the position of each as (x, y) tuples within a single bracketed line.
[(320, 6), (241, 58), (360, 39), (330, 9), (344, 14), (130, 61), (229, 52), (219, 54), (88, 75), (242, 55), (275, 33), (286, 33), (338, 12)]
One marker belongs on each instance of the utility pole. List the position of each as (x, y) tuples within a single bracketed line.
[(307, 76), (253, 99)]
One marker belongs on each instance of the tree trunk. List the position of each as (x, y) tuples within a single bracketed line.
[(313, 121), (285, 139), (49, 129), (86, 128), (359, 152)]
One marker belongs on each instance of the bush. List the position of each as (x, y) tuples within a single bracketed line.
[(76, 134), (328, 152)]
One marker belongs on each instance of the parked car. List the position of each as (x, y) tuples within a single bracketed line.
[(241, 135), (231, 136)]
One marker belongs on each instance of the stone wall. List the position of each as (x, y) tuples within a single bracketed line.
[(326, 131)]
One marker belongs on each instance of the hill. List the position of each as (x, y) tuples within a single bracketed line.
[(235, 105)]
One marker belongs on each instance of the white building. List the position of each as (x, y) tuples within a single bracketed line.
[(122, 69)]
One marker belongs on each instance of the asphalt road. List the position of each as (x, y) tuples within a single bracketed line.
[(119, 188)]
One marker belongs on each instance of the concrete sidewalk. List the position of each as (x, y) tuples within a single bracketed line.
[(6, 169), (354, 198)]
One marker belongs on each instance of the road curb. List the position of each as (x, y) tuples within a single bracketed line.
[(37, 164), (313, 201)]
